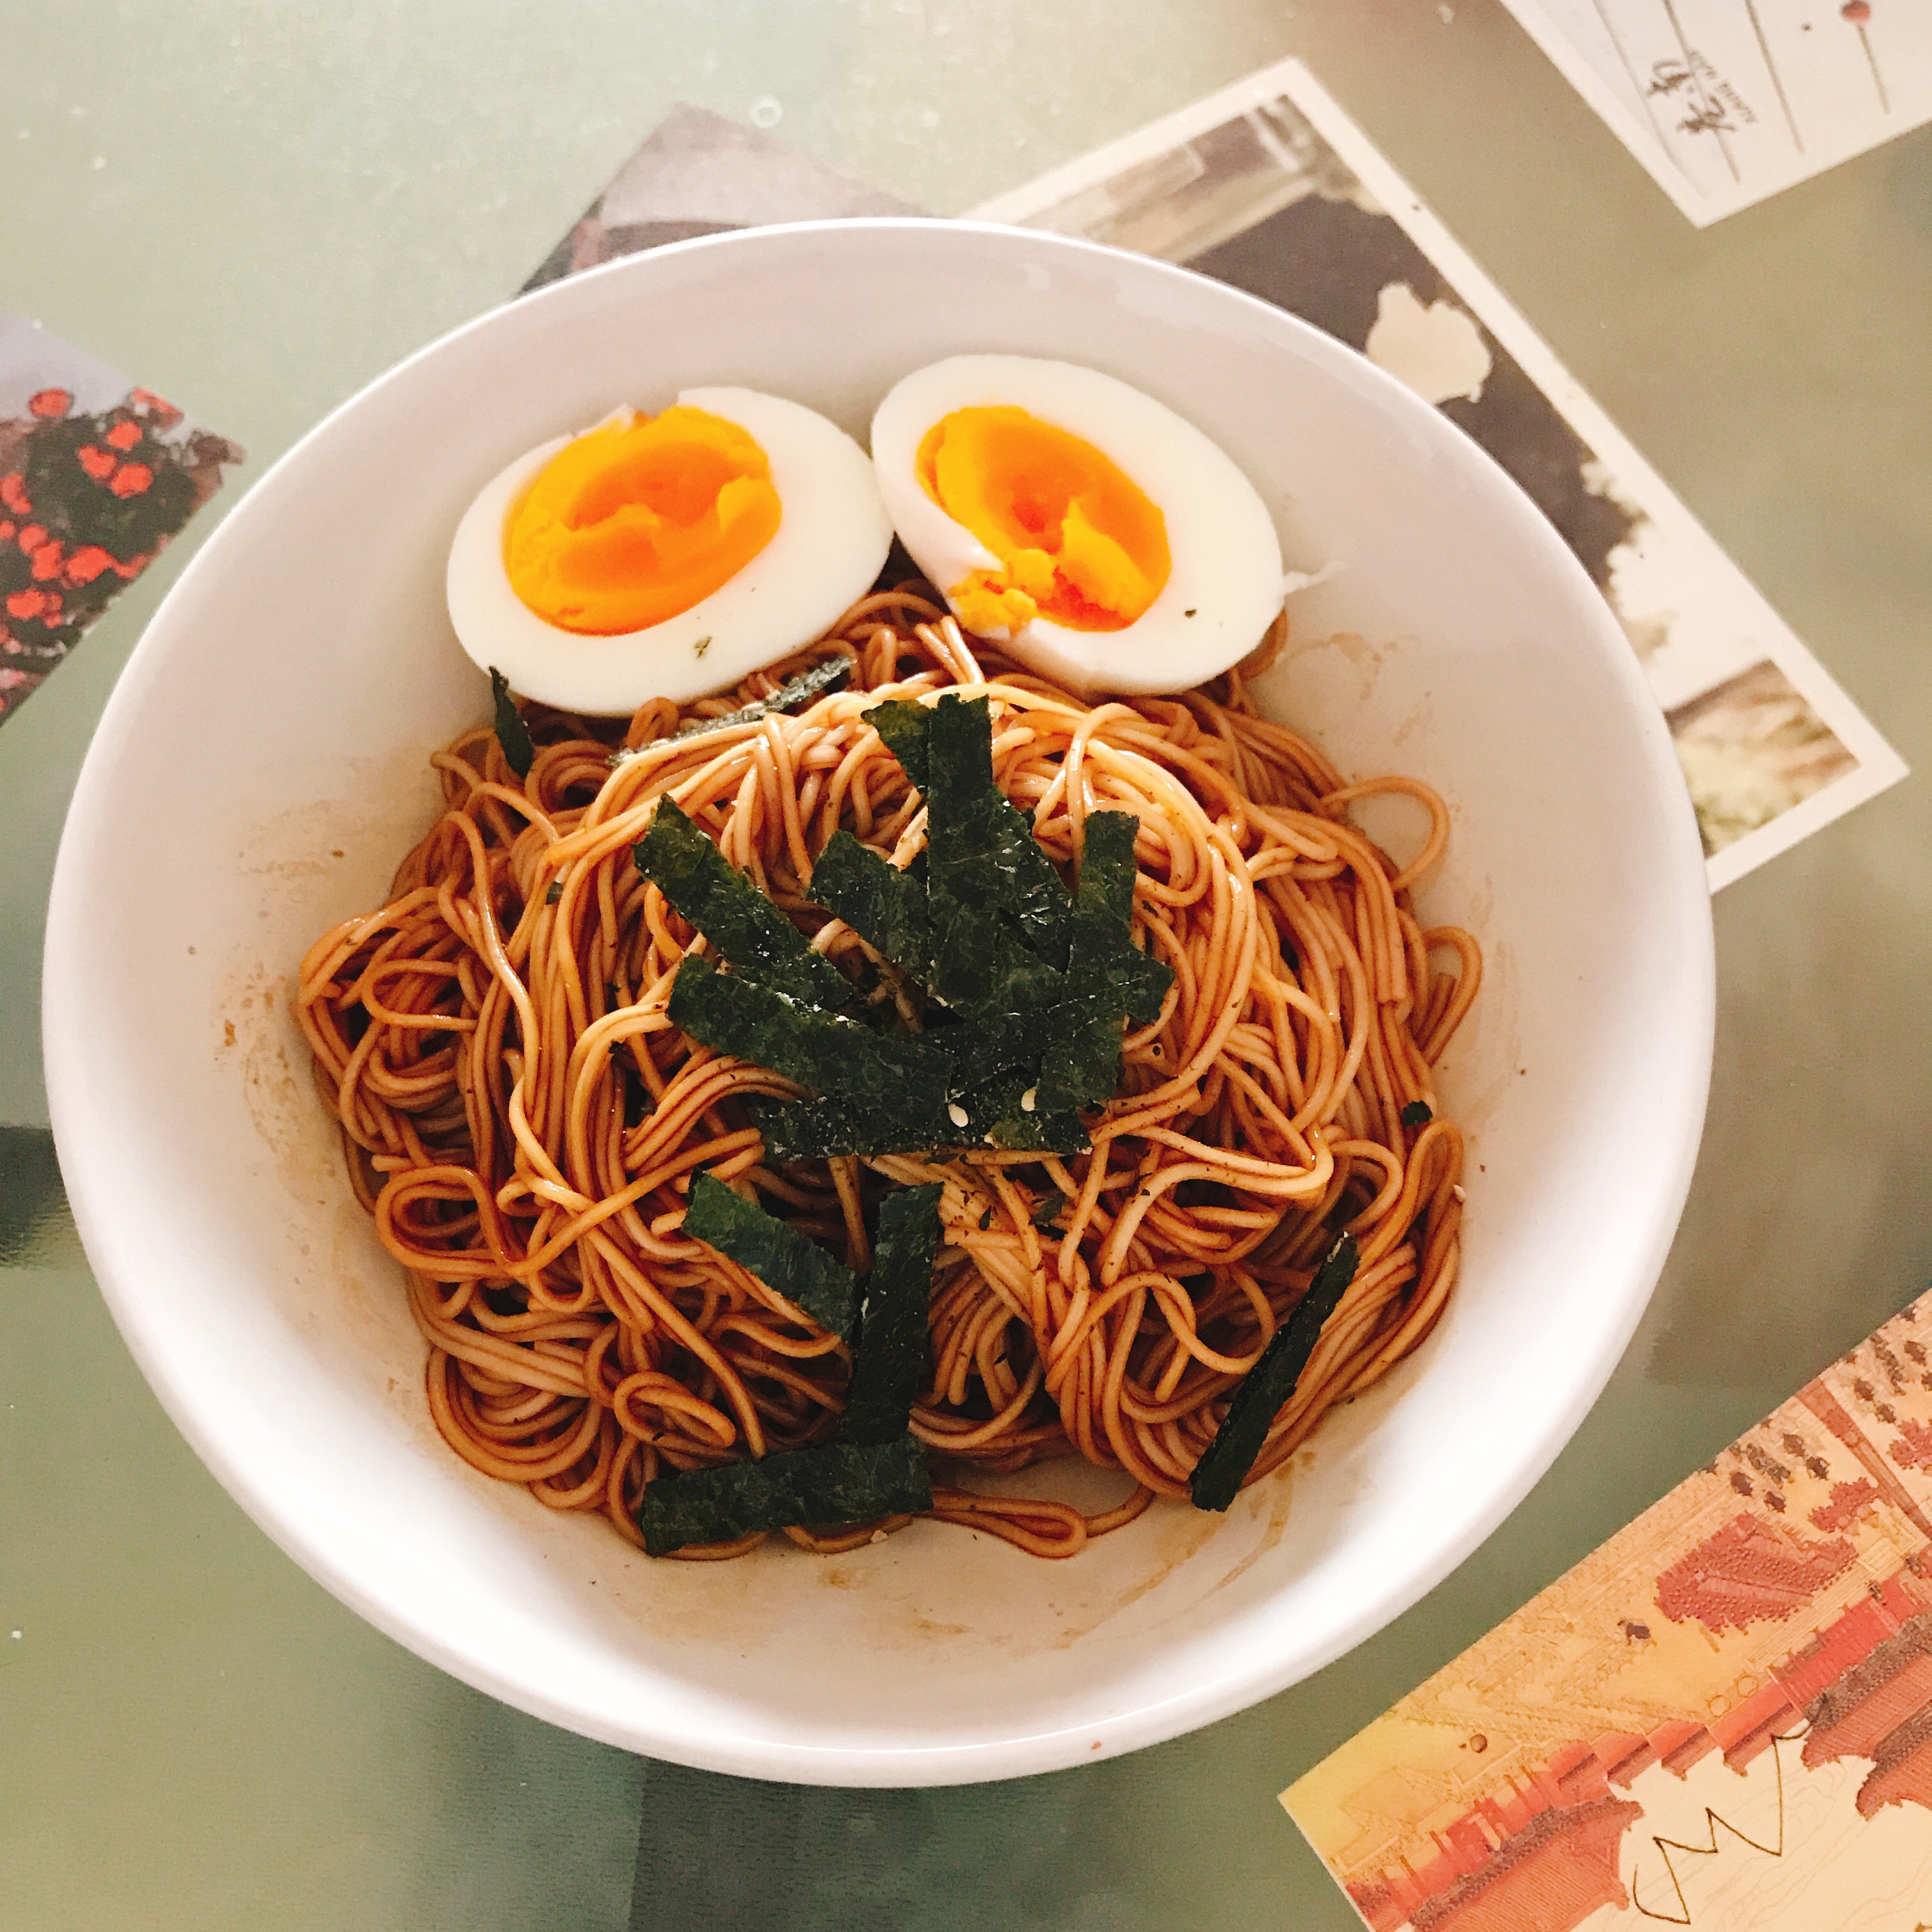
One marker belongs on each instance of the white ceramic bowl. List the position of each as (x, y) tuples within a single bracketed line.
[(262, 765)]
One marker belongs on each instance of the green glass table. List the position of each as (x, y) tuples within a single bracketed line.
[(255, 208)]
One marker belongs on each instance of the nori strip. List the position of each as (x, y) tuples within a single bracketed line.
[(1081, 1066), (782, 1258), (904, 725), (731, 912), (978, 958), (830, 1483), (1104, 905), (809, 683), (885, 907), (1038, 984), (888, 1358), (994, 1113), (520, 751), (981, 852), (900, 1080), (1103, 917), (1139, 982), (996, 1036), (817, 1130), (1217, 1476)]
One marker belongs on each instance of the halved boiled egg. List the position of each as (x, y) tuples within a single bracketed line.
[(1107, 541), (666, 556)]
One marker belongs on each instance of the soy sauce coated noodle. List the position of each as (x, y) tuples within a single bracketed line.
[(522, 1120)]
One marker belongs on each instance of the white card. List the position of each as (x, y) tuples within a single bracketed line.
[(1268, 184), (1727, 101)]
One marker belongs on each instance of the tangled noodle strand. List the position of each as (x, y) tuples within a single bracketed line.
[(523, 1121)]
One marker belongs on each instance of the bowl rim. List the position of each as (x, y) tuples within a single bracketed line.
[(117, 1269)]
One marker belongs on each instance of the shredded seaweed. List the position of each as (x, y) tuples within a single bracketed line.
[(1417, 1114), (1225, 1464), (731, 912), (520, 751), (899, 1082), (875, 1468), (997, 1115), (787, 1262), (1103, 916), (814, 1129), (828, 1484), (811, 682), (904, 726), (888, 1358), (885, 907), (981, 852), (1027, 987)]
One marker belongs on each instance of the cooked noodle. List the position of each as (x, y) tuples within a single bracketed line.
[(522, 1120)]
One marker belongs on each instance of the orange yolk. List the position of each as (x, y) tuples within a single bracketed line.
[(631, 523), (1078, 543)]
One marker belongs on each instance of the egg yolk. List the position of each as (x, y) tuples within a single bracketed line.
[(633, 522), (1078, 543)]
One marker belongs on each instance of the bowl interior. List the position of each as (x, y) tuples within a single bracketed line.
[(262, 766)]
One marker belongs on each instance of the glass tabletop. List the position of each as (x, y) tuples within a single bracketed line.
[(256, 209)]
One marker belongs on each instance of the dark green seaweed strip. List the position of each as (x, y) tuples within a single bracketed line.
[(1103, 915), (1020, 1132), (994, 1113), (884, 906), (817, 1129), (888, 1358), (1065, 1044), (1218, 1476), (1020, 1026), (1070, 1027), (829, 1483), (1417, 1114), (1136, 981), (980, 851), (979, 958), (782, 1258), (809, 683), (1081, 1066), (724, 1013), (904, 726), (997, 1035), (899, 1081), (1105, 902), (731, 912), (520, 751)]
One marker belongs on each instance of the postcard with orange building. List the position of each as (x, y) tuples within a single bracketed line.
[(1722, 1718)]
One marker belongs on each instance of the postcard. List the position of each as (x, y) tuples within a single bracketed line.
[(96, 476), (1726, 102), (700, 173), (1722, 1718), (1269, 186)]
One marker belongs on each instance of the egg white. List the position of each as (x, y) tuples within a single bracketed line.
[(831, 539), (1225, 586)]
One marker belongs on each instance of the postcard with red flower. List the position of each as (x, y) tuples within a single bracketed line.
[(1722, 1718), (96, 476)]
